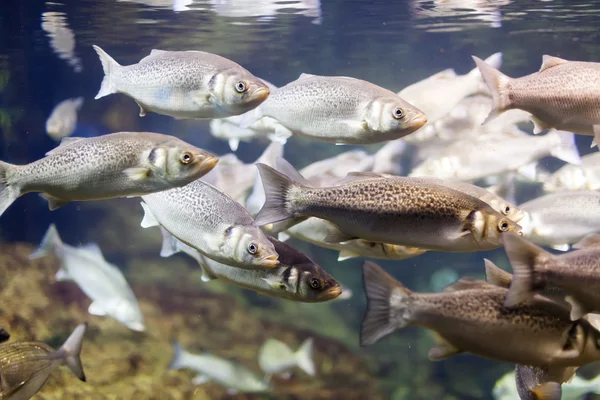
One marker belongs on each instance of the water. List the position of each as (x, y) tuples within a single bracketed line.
[(46, 56)]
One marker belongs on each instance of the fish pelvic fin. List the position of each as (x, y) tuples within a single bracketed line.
[(304, 359), (496, 275), (169, 244), (547, 391), (8, 193), (523, 256), (250, 117), (50, 241), (179, 353), (277, 186), (109, 65), (382, 317), (496, 82), (566, 149), (71, 349)]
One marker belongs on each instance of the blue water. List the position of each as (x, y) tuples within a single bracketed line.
[(390, 43)]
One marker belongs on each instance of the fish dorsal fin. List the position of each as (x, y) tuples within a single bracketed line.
[(591, 240), (153, 53), (67, 141), (550, 61), (92, 248), (467, 283), (496, 275), (359, 176), (445, 74), (304, 75)]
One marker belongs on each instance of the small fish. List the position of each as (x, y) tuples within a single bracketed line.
[(576, 177), (560, 219), (26, 366), (400, 210), (437, 95), (100, 280), (339, 110), (62, 38), (506, 389), (4, 335), (276, 357), (184, 84), (577, 273), (470, 160), (203, 217), (63, 119), (561, 95), (123, 164), (315, 231), (230, 374), (469, 316), (296, 278)]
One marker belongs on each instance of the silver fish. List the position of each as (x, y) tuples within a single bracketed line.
[(471, 160), (576, 177), (405, 211), (123, 164), (338, 109), (296, 278), (63, 119), (276, 357), (560, 219), (561, 95), (206, 219), (230, 374), (26, 366), (100, 280), (184, 84), (62, 38), (469, 316)]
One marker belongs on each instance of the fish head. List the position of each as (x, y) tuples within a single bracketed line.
[(507, 209), (251, 247), (488, 225), (315, 285), (392, 114), (129, 314), (55, 126), (239, 91), (179, 163), (584, 338)]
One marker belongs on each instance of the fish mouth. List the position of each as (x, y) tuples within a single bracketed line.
[(418, 121), (270, 261), (260, 94), (520, 215), (209, 162), (331, 293)]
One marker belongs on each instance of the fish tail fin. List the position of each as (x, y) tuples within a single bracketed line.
[(109, 65), (475, 78), (304, 357), (50, 241), (276, 187), (179, 356), (71, 349), (566, 149), (523, 256), (8, 193), (381, 319), (496, 82)]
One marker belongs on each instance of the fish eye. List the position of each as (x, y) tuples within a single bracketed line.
[(506, 210), (186, 157), (398, 113), (315, 283), (240, 87), (252, 248), (503, 226)]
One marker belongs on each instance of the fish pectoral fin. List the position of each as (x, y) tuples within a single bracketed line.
[(561, 247), (577, 309), (551, 61), (53, 202), (149, 219), (233, 144), (200, 379), (143, 110), (274, 284), (442, 350), (458, 235), (207, 276), (202, 98), (282, 134), (62, 275), (547, 391), (137, 173), (96, 309), (538, 125), (347, 254), (335, 235)]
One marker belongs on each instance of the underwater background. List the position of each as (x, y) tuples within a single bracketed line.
[(46, 56)]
